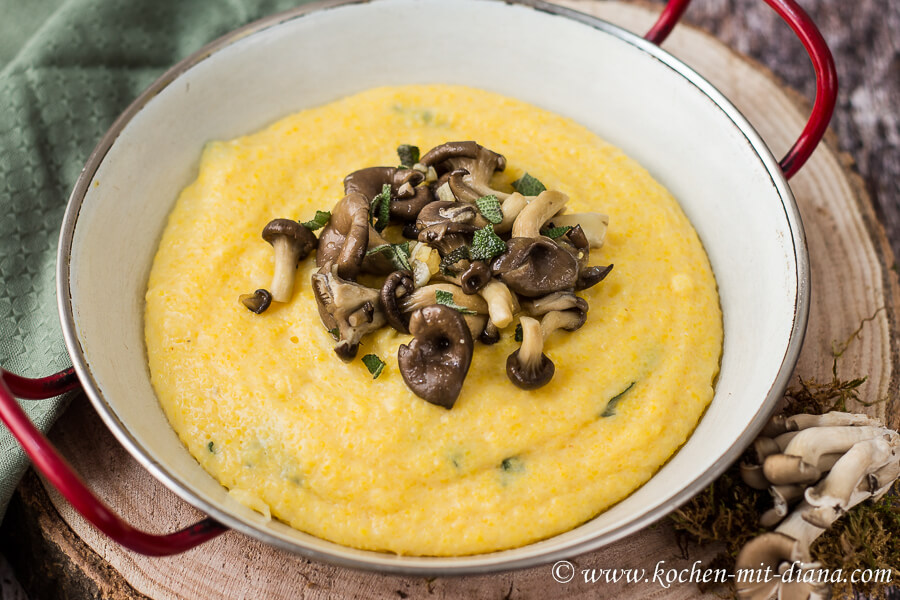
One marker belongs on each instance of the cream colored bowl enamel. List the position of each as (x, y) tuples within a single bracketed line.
[(626, 90)]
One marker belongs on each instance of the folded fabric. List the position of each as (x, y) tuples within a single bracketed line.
[(85, 61)]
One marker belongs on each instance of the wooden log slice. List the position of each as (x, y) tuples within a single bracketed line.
[(854, 297)]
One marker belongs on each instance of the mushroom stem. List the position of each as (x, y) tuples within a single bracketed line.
[(560, 319), (425, 296), (810, 444), (287, 255), (529, 222), (511, 207), (499, 302), (532, 340)]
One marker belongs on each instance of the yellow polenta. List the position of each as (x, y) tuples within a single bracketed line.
[(266, 407)]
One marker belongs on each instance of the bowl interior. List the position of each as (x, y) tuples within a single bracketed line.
[(627, 91)]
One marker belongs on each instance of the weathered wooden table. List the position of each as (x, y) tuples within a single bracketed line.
[(58, 555)]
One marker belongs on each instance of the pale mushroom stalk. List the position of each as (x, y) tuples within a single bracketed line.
[(511, 207), (291, 242), (530, 220), (594, 225), (499, 302), (557, 319), (532, 341), (425, 296)]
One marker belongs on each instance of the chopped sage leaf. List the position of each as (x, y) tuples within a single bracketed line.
[(486, 244), (556, 232), (520, 335), (528, 185), (319, 221), (374, 364), (380, 209), (211, 447), (446, 298), (409, 155), (489, 207), (513, 464), (335, 333), (461, 253), (610, 409), (398, 253)]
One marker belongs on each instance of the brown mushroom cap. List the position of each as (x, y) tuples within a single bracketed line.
[(292, 242), (345, 238), (536, 267), (435, 363), (446, 225), (406, 198), (479, 164), (257, 302), (303, 239), (528, 367), (475, 277), (397, 285)]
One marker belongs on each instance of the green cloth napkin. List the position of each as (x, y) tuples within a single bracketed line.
[(69, 67)]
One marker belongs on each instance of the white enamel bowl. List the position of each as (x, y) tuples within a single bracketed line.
[(625, 89)]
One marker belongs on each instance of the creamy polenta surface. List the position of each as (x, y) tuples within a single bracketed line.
[(265, 405)]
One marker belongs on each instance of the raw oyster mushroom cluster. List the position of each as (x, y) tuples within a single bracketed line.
[(816, 467), (460, 260)]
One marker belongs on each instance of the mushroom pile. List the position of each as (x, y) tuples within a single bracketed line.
[(821, 466), (460, 260)]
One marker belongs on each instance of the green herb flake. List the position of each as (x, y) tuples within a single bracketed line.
[(335, 333), (486, 244), (374, 364), (446, 298), (319, 221), (409, 155), (557, 232), (610, 409), (211, 447), (528, 185), (489, 207), (461, 253), (380, 209), (520, 335), (397, 253), (513, 464)]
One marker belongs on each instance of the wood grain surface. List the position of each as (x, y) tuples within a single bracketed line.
[(853, 285)]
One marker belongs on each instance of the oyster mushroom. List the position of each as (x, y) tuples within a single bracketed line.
[(830, 498), (474, 305), (500, 302), (771, 553), (511, 207), (593, 224), (257, 302), (353, 309), (577, 243), (529, 221), (528, 367), (292, 243), (435, 363), (479, 163), (446, 225), (345, 238), (536, 267), (476, 276), (408, 195), (398, 284)]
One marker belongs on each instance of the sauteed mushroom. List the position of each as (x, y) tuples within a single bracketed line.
[(292, 243), (537, 212), (535, 267), (479, 163), (345, 239), (399, 284), (435, 363), (257, 302), (446, 225), (353, 309), (407, 195), (528, 367), (576, 240)]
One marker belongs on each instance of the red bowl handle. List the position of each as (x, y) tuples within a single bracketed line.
[(823, 63), (54, 467)]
